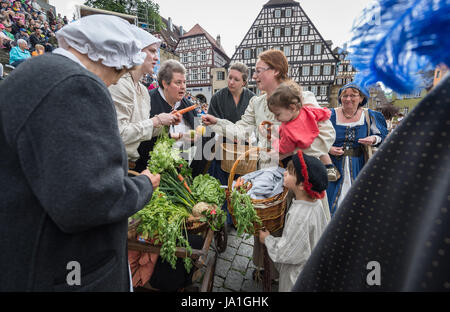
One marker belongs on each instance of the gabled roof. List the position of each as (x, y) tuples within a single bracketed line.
[(198, 30), (170, 37), (280, 3)]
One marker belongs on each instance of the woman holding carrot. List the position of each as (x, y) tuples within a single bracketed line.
[(169, 97)]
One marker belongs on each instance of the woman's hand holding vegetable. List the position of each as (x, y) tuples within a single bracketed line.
[(155, 179), (209, 120), (166, 119)]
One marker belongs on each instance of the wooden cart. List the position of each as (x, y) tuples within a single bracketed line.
[(199, 256), (203, 260)]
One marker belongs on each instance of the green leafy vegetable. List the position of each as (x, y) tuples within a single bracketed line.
[(207, 189), (165, 223), (243, 212)]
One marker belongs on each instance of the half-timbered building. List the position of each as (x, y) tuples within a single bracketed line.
[(199, 52), (283, 25)]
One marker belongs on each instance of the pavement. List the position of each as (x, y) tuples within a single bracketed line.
[(234, 267)]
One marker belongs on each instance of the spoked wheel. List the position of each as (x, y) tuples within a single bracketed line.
[(221, 239)]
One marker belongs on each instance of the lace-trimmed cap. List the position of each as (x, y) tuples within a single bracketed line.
[(106, 37), (145, 37)]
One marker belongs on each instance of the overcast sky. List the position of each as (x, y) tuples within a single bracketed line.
[(231, 19)]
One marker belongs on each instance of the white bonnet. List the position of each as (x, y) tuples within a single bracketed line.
[(144, 37), (105, 37)]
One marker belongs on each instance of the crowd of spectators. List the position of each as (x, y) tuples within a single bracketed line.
[(27, 29)]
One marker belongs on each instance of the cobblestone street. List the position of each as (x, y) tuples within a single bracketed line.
[(234, 267)]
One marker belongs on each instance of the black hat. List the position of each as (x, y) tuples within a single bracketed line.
[(314, 173)]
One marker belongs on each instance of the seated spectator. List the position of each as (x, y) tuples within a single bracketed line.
[(38, 50), (5, 41), (37, 38), (4, 6), (23, 34), (19, 53), (17, 7), (36, 5), (7, 31), (51, 16)]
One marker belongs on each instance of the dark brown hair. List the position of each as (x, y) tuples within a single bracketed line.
[(276, 61), (291, 169), (285, 94)]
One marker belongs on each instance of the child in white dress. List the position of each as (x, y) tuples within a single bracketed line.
[(305, 222)]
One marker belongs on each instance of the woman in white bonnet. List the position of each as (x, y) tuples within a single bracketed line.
[(66, 196)]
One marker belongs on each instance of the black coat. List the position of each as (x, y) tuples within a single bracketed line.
[(65, 195), (392, 231), (159, 106)]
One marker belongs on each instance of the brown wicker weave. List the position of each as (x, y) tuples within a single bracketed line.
[(231, 152), (271, 210)]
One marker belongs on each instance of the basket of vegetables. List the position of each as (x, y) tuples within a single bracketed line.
[(250, 215), (179, 205)]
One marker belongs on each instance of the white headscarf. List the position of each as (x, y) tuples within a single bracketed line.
[(106, 37), (145, 37)]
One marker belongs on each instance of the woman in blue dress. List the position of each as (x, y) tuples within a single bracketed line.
[(353, 133)]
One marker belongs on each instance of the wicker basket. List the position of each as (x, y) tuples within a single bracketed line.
[(231, 152), (271, 210)]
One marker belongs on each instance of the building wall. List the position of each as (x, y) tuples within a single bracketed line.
[(286, 27), (219, 81), (407, 103), (440, 72)]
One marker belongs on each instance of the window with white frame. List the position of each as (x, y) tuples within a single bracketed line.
[(247, 54), (339, 81), (349, 67), (305, 71), (194, 57), (277, 13), (203, 56), (323, 90), (288, 31), (314, 90), (199, 40), (317, 49), (305, 30), (307, 49), (287, 50), (203, 74), (277, 32), (259, 50), (220, 75), (341, 68), (327, 70), (288, 12), (194, 74), (316, 70)]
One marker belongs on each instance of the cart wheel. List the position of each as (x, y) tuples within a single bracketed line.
[(221, 239)]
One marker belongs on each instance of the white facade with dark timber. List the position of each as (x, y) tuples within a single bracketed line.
[(200, 53), (283, 25)]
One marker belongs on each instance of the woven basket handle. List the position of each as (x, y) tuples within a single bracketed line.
[(236, 163), (269, 133)]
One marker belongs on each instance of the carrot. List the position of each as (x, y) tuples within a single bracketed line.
[(180, 177), (185, 110)]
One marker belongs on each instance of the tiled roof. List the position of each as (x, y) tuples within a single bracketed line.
[(198, 30), (279, 3)]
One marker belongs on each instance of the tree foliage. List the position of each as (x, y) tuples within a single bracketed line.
[(131, 7)]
